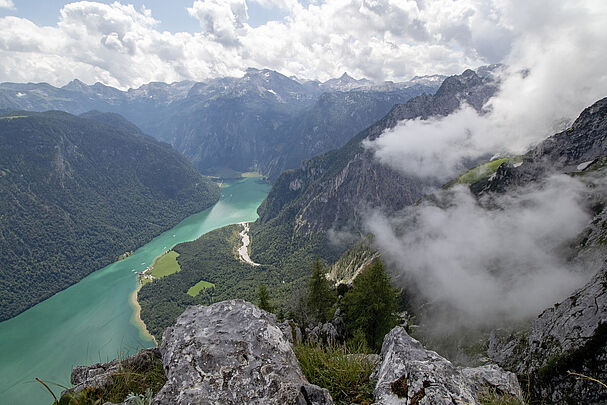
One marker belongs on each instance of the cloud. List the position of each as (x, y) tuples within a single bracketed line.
[(220, 19), (555, 69), (7, 4), (382, 40), (500, 258), (280, 4)]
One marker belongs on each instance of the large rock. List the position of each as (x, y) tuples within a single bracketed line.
[(410, 374), (232, 353), (570, 336)]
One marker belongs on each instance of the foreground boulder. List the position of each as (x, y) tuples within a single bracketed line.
[(571, 336), (232, 353), (410, 374)]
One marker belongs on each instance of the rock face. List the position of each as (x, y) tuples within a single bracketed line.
[(571, 336), (100, 375), (232, 353), (410, 374), (574, 150), (329, 332), (333, 191)]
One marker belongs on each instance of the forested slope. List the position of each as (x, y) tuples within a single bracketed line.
[(75, 193)]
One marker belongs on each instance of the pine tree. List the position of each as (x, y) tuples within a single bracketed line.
[(320, 295), (371, 305), (263, 298)]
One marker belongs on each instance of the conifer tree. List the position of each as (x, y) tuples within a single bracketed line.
[(371, 305), (320, 295), (263, 298)]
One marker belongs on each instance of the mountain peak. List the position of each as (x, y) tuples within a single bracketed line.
[(75, 85)]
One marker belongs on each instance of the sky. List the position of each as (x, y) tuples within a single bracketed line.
[(129, 43)]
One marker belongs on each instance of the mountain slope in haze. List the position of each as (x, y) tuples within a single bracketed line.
[(77, 192), (571, 335), (331, 192), (263, 121)]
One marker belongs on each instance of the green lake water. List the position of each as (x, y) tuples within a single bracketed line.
[(92, 321)]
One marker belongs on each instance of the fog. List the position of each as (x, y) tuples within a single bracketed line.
[(554, 70), (500, 258)]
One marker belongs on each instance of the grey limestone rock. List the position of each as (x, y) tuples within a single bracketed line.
[(571, 335), (291, 331), (100, 375), (328, 332), (410, 374), (232, 352)]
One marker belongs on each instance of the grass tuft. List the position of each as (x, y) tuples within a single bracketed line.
[(344, 373), (149, 376), (492, 398)]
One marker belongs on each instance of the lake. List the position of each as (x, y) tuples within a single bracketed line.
[(92, 321)]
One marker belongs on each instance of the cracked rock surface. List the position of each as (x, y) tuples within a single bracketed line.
[(232, 352), (410, 374)]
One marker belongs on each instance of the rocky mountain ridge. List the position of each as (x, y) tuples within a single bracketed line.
[(332, 191), (248, 123), (232, 352), (570, 336)]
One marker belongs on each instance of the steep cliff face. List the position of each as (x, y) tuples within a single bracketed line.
[(572, 335), (333, 190), (569, 337), (574, 150)]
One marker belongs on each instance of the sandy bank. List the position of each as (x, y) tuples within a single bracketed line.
[(136, 319)]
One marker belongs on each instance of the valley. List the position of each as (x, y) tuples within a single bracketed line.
[(327, 202), (92, 321)]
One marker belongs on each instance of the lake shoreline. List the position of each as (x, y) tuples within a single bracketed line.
[(136, 319)]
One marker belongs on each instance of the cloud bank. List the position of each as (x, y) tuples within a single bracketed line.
[(554, 71), (392, 39), (487, 265), (7, 4), (499, 258)]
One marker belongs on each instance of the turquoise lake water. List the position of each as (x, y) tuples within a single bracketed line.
[(92, 321)]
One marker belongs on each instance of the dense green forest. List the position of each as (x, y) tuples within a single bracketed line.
[(212, 258), (76, 193)]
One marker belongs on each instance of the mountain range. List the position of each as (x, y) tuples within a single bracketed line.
[(317, 211), (263, 121), (305, 208)]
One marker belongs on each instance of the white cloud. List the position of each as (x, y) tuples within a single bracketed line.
[(7, 4), (383, 40), (562, 56), (392, 39), (281, 4), (219, 19), (500, 259)]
